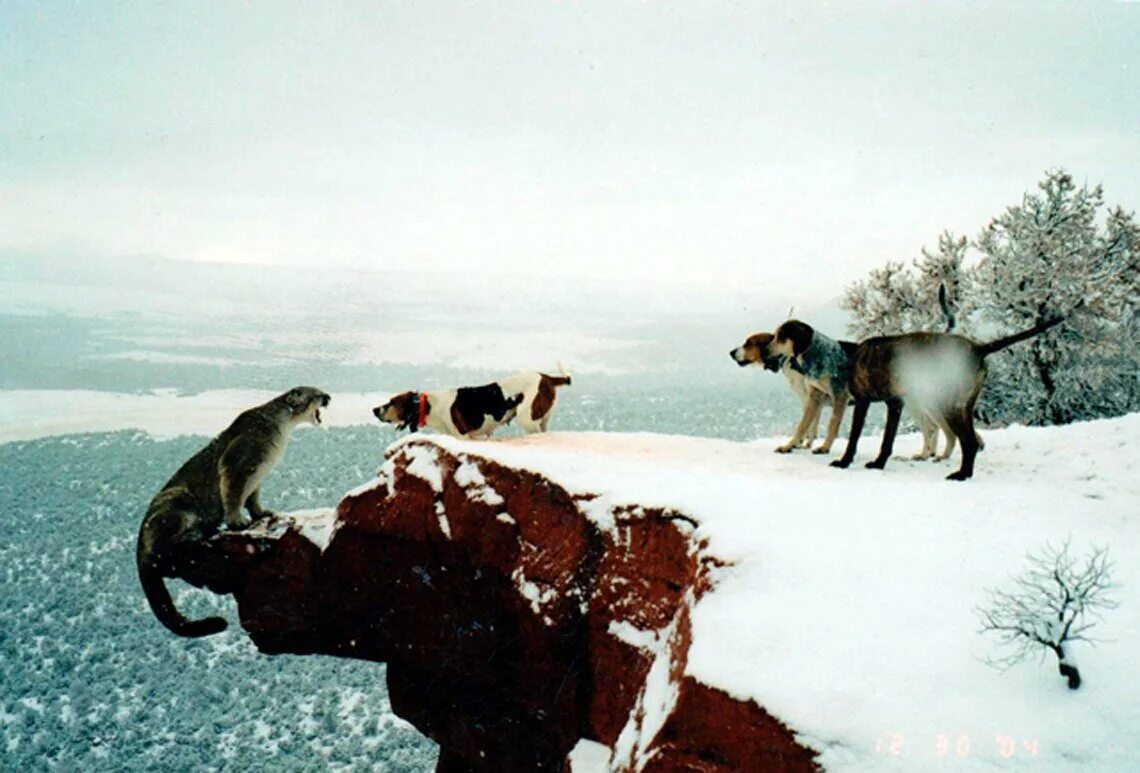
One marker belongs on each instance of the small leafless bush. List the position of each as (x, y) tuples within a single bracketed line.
[(1053, 603)]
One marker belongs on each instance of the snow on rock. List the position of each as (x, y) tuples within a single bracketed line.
[(589, 757), (469, 477), (658, 697), (423, 462), (317, 526), (649, 602)]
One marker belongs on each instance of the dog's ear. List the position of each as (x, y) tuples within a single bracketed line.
[(799, 333), (404, 408), (411, 409)]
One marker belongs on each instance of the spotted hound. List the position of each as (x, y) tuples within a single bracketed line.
[(476, 412)]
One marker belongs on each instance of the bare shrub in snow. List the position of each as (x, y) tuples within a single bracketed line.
[(1054, 602)]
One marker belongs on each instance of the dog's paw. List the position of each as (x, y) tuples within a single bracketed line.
[(876, 464), (842, 464), (821, 450), (959, 475), (784, 449)]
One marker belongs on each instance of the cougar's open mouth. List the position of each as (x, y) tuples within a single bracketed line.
[(322, 402)]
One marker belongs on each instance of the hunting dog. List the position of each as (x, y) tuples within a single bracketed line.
[(476, 412), (941, 372), (826, 367), (810, 358), (754, 352)]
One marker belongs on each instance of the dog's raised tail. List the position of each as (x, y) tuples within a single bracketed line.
[(947, 311), (1001, 343), (562, 379)]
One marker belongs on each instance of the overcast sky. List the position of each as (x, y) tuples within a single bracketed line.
[(788, 147)]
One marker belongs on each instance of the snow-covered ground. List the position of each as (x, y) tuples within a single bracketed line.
[(850, 608), (849, 611)]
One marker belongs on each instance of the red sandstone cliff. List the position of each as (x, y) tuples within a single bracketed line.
[(514, 617)]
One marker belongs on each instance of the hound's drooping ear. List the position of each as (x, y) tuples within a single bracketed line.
[(404, 408), (410, 410), (799, 333)]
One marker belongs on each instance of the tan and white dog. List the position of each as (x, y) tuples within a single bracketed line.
[(821, 365), (754, 352), (825, 365), (476, 412)]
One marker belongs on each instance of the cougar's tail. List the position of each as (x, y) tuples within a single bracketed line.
[(1001, 343), (150, 577), (163, 607)]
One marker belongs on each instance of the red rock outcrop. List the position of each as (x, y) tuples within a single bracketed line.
[(515, 617)]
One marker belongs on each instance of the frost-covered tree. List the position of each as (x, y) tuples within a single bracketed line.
[(1057, 253), (880, 303), (943, 271), (1046, 257), (901, 299), (1050, 606)]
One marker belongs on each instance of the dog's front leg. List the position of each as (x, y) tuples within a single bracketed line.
[(857, 419), (894, 411), (812, 431), (838, 407), (812, 407)]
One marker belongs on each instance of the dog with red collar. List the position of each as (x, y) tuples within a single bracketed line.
[(476, 412)]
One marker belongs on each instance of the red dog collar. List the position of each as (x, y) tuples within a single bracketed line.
[(421, 398)]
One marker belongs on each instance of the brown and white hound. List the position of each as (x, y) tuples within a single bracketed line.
[(476, 412)]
